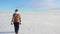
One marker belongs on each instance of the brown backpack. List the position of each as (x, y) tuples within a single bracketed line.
[(16, 17)]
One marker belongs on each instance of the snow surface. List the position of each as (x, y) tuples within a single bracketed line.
[(32, 23)]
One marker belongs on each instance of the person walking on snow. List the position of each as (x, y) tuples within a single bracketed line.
[(16, 20)]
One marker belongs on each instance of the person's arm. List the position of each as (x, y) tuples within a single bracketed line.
[(12, 20), (20, 18)]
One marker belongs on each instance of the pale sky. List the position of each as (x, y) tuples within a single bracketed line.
[(29, 5)]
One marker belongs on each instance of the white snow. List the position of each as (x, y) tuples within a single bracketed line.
[(32, 23)]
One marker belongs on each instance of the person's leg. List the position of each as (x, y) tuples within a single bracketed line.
[(16, 27)]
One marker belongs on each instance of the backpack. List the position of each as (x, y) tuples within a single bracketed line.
[(16, 17)]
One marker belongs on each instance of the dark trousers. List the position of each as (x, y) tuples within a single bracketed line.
[(16, 26)]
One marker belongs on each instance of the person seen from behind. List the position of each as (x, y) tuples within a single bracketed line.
[(16, 20)]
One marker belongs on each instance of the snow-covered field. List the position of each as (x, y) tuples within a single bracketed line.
[(32, 23)]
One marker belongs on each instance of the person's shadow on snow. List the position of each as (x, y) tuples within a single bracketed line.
[(7, 32)]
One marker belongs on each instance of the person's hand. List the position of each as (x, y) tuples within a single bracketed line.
[(20, 23), (11, 23)]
